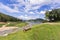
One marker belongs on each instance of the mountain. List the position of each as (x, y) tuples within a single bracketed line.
[(7, 18), (35, 21), (38, 19)]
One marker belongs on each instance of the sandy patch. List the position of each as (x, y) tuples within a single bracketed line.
[(4, 31), (7, 28)]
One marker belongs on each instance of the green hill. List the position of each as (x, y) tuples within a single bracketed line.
[(46, 31), (5, 18)]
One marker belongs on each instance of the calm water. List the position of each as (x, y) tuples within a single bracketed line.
[(34, 23)]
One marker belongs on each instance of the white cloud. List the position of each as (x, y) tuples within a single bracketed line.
[(30, 5), (8, 9), (31, 12), (50, 10), (37, 1), (42, 12), (26, 17), (35, 7)]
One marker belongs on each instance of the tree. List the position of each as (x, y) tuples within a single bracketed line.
[(53, 15)]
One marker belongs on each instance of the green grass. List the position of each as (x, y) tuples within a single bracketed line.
[(17, 24), (38, 32), (21, 24), (1, 25)]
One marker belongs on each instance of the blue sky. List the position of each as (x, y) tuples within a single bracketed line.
[(28, 9)]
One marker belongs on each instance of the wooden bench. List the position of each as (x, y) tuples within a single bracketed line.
[(26, 28)]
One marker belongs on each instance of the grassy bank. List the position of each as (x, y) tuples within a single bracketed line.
[(46, 31), (11, 24), (1, 25), (18, 24)]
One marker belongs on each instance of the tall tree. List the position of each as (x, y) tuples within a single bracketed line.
[(53, 15)]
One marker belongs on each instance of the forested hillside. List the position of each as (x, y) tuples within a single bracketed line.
[(7, 18)]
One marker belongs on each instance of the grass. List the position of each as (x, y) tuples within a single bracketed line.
[(45, 31), (17, 24), (21, 24), (1, 25), (11, 24)]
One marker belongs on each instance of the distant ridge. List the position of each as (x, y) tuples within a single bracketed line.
[(5, 18)]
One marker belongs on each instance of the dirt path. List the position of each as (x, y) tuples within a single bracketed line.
[(4, 31), (5, 25)]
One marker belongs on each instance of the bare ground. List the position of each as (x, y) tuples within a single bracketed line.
[(4, 31)]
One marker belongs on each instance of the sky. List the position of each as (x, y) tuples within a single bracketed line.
[(28, 9)]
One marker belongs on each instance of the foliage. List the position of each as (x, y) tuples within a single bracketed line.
[(53, 15), (7, 18)]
